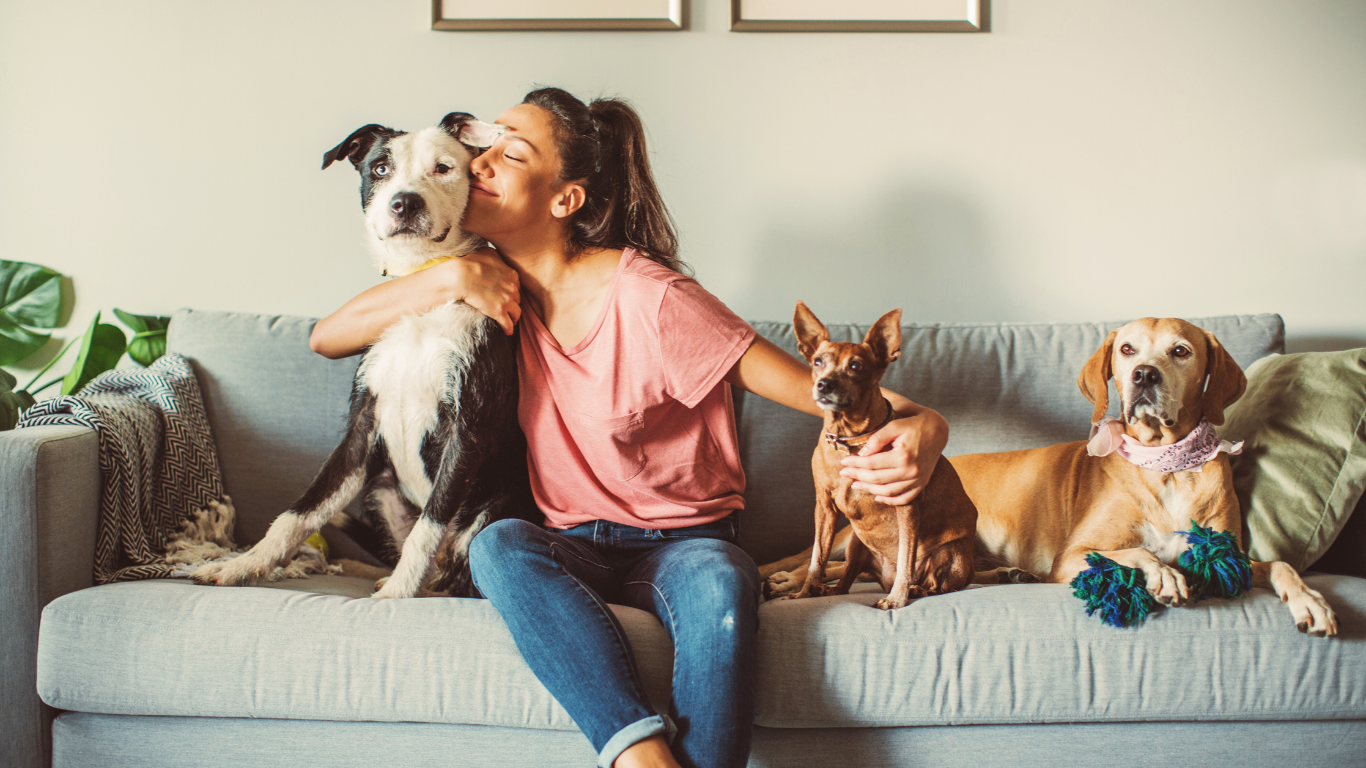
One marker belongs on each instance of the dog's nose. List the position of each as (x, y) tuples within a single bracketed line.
[(406, 204), (1147, 376), (824, 386)]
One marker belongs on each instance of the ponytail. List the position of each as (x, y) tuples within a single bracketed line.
[(602, 145)]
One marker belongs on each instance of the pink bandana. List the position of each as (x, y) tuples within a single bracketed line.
[(1187, 454)]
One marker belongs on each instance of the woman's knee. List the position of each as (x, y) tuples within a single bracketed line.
[(721, 583), (502, 541)]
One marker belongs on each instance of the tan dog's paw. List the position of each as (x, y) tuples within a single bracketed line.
[(888, 604), (1312, 614), (1166, 584), (239, 571), (389, 589), (781, 584)]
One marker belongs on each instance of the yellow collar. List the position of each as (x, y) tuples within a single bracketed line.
[(420, 267)]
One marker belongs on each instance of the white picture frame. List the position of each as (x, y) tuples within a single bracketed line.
[(858, 15), (491, 15)]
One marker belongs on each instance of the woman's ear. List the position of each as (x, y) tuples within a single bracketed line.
[(1226, 381), (568, 200), (1094, 380)]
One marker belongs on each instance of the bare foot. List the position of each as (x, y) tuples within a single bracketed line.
[(650, 753)]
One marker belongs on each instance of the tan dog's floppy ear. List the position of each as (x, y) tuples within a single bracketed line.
[(1094, 380), (810, 332), (885, 337), (1226, 381)]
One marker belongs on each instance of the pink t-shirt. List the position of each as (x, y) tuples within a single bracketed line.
[(634, 424)]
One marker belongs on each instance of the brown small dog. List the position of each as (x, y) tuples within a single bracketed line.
[(923, 548)]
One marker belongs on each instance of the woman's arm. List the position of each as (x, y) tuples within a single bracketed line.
[(895, 463), (480, 279)]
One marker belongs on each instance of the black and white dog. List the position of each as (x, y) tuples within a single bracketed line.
[(432, 434)]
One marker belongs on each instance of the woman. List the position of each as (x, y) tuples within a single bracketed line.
[(624, 365)]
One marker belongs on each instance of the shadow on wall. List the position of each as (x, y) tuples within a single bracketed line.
[(1295, 343), (925, 250)]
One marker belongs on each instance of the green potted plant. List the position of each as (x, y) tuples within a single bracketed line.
[(31, 302)]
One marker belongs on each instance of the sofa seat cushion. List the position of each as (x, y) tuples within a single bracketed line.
[(1028, 653), (174, 648)]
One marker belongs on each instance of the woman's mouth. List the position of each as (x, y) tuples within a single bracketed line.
[(481, 189)]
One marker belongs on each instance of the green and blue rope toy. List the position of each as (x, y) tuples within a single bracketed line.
[(1213, 565)]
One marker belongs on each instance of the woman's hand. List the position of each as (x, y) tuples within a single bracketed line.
[(484, 281), (897, 461)]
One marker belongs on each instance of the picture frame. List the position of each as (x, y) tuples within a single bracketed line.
[(859, 15), (547, 15)]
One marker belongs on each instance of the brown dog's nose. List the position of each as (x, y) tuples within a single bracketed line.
[(824, 386), (1147, 376)]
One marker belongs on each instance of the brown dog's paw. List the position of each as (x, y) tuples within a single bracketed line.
[(781, 584), (888, 604)]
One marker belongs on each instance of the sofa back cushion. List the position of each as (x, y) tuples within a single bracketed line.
[(277, 409)]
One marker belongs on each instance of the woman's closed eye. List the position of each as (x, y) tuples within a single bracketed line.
[(513, 159)]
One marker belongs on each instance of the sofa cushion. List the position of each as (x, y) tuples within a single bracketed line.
[(174, 648), (1028, 653), (1002, 387)]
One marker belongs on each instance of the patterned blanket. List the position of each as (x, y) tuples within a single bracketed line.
[(163, 511)]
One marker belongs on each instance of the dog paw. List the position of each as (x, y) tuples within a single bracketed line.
[(388, 589), (1018, 576), (890, 604), (781, 584), (1166, 584), (239, 571), (1312, 614)]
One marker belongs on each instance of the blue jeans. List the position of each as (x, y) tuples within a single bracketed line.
[(552, 588)]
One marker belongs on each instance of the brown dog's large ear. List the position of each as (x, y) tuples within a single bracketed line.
[(1226, 381), (810, 332), (885, 337), (1094, 380)]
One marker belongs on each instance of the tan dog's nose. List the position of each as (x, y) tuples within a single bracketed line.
[(1147, 376)]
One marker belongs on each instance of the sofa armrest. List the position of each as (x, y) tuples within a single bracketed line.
[(49, 510)]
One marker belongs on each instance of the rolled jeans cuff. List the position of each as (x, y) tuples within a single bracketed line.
[(638, 731)]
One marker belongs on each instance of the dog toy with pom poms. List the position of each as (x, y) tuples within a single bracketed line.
[(1119, 593), (1214, 566)]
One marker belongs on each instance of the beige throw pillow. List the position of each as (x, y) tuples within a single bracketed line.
[(1303, 465)]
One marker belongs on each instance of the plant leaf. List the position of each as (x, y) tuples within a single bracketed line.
[(30, 294), (18, 342), (149, 339), (11, 402), (101, 348)]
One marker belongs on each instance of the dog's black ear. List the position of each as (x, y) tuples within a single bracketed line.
[(1094, 380), (885, 337), (1226, 381), (355, 146), (810, 332), (464, 128)]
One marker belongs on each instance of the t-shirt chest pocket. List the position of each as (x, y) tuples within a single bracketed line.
[(613, 444), (675, 459)]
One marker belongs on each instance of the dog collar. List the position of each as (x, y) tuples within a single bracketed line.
[(1190, 453), (420, 267), (846, 444)]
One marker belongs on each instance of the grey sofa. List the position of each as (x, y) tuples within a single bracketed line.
[(166, 673)]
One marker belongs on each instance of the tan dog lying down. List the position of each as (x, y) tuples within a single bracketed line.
[(1042, 510)]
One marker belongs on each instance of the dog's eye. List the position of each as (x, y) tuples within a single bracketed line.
[(856, 365), (818, 363), (1181, 352), (1126, 350), (442, 168), (381, 170)]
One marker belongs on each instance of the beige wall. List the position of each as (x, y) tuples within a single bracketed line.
[(1085, 160)]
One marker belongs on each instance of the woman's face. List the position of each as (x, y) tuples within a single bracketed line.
[(516, 185)]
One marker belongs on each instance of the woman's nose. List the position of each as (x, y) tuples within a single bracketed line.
[(479, 166)]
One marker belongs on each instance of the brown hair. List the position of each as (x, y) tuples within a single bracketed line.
[(602, 145)]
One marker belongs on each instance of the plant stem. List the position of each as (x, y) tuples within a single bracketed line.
[(45, 386), (50, 363)]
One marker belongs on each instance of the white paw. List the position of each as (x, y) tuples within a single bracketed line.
[(781, 584), (388, 589), (1311, 612), (1166, 584), (240, 570)]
